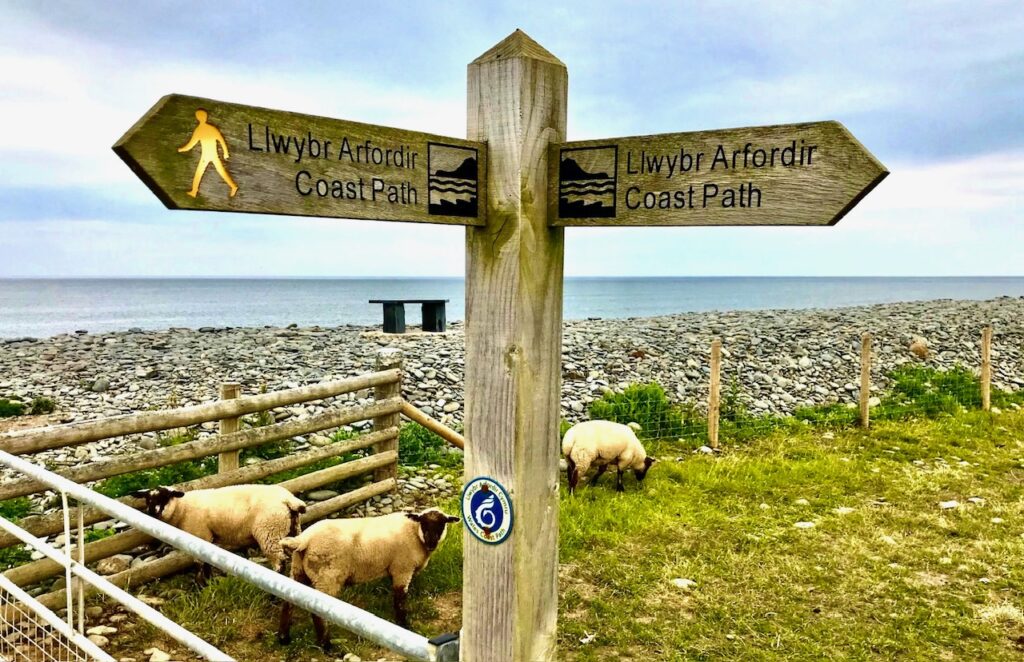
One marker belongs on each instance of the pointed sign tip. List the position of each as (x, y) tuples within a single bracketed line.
[(518, 44)]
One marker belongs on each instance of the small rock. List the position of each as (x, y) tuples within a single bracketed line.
[(707, 450), (321, 495), (843, 510), (156, 655), (101, 630), (114, 564), (685, 584), (801, 502), (976, 500), (101, 385), (804, 525), (351, 657), (996, 520), (764, 506), (949, 505), (99, 640)]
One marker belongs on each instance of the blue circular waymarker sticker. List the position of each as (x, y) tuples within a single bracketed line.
[(487, 510)]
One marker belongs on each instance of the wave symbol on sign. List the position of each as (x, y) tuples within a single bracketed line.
[(484, 514)]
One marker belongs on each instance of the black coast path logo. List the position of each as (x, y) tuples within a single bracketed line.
[(587, 182), (453, 180)]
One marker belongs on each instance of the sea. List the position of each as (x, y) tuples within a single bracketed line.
[(46, 307)]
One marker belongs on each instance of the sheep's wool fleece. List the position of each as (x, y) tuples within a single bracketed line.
[(236, 514), (596, 443), (373, 547)]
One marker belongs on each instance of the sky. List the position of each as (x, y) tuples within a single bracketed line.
[(935, 90)]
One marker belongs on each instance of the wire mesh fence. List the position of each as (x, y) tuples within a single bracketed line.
[(850, 378), (31, 633)]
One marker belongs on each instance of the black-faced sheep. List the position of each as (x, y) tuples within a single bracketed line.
[(603, 444), (231, 517), (339, 552)]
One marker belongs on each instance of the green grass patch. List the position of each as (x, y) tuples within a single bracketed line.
[(10, 408), (884, 573), (16, 508), (648, 406), (418, 446)]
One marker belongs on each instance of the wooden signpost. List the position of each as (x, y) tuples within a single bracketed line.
[(203, 154), (793, 174), (514, 188)]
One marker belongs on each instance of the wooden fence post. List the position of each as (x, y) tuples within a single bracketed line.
[(514, 264), (389, 358), (986, 368), (229, 461), (715, 392), (865, 379)]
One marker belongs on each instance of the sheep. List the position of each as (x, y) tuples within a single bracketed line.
[(339, 552), (232, 517), (603, 443)]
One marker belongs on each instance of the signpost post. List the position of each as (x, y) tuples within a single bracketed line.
[(515, 186)]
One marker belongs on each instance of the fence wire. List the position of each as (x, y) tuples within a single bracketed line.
[(27, 636), (759, 394)]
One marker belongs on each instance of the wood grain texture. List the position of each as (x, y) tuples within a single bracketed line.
[(413, 413), (388, 358), (715, 392), (58, 436), (986, 368), (838, 175), (228, 461), (267, 177), (44, 525), (517, 104), (865, 380)]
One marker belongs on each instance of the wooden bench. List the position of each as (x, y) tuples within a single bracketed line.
[(394, 314)]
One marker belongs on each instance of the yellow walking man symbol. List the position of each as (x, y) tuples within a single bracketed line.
[(208, 136)]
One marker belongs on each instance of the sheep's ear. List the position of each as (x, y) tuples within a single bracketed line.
[(176, 494), (140, 494), (416, 517), (451, 519)]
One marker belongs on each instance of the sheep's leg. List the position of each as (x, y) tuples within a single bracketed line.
[(600, 471), (573, 474), (401, 616), (619, 487), (284, 628), (400, 589), (329, 585), (321, 633)]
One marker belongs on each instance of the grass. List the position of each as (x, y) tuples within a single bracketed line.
[(9, 408), (892, 577)]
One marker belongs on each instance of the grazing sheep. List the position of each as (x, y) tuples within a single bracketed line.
[(919, 348), (232, 517), (603, 443), (339, 552)]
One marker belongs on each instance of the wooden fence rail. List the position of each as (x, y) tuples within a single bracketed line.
[(219, 444), (226, 446), (32, 441)]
